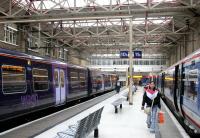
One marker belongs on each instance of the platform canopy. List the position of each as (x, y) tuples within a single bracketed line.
[(96, 24)]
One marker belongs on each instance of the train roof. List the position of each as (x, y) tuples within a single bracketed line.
[(31, 57), (14, 53), (37, 58), (190, 57), (76, 66)]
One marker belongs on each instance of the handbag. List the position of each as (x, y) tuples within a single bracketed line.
[(147, 110), (161, 117)]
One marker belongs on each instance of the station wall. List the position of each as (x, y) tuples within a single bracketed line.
[(186, 45), (21, 44)]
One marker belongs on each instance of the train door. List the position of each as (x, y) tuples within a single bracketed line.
[(176, 87), (180, 87), (162, 83), (60, 85), (103, 82)]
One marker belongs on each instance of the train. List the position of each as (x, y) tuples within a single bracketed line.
[(180, 87), (30, 83)]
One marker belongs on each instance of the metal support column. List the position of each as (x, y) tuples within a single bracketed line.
[(130, 95), (39, 36), (10, 7)]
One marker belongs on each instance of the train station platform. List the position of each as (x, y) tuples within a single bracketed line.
[(129, 122)]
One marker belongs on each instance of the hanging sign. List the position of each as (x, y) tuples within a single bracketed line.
[(137, 54), (123, 54)]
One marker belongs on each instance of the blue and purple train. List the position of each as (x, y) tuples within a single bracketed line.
[(30, 83), (180, 86)]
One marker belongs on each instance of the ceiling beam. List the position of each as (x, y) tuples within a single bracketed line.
[(167, 11)]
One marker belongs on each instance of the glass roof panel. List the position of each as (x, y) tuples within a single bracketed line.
[(60, 4)]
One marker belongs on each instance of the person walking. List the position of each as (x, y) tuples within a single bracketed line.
[(118, 86), (134, 88), (151, 94)]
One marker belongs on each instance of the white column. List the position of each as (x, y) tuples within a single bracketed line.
[(131, 61)]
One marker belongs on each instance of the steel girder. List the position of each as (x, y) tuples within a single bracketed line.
[(94, 24)]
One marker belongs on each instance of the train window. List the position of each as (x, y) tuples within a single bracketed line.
[(13, 79), (107, 81), (191, 84), (40, 79), (193, 75), (82, 79), (74, 76), (56, 78), (74, 79), (62, 78), (97, 83), (169, 84)]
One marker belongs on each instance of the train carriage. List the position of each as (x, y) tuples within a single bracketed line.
[(30, 83), (25, 84), (181, 89), (96, 82), (78, 82)]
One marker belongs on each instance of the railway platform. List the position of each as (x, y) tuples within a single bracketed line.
[(128, 122), (131, 122)]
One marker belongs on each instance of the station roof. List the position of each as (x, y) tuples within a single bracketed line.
[(104, 24)]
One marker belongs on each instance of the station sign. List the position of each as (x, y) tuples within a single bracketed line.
[(123, 54), (136, 54)]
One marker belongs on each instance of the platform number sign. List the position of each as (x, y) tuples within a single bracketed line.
[(137, 54), (123, 54)]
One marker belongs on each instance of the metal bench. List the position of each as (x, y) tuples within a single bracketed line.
[(83, 127), (117, 103)]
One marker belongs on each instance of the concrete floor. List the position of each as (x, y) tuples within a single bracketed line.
[(128, 123)]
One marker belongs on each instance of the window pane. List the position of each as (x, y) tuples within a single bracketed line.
[(14, 79), (191, 84), (74, 82), (62, 78), (158, 62), (82, 79), (73, 76), (40, 79), (169, 84), (7, 36), (56, 78), (10, 35), (147, 62)]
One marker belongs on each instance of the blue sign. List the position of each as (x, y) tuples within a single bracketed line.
[(137, 54), (123, 54)]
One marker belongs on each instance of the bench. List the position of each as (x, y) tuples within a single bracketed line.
[(83, 127), (117, 103)]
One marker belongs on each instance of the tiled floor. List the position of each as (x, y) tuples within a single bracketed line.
[(128, 123)]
